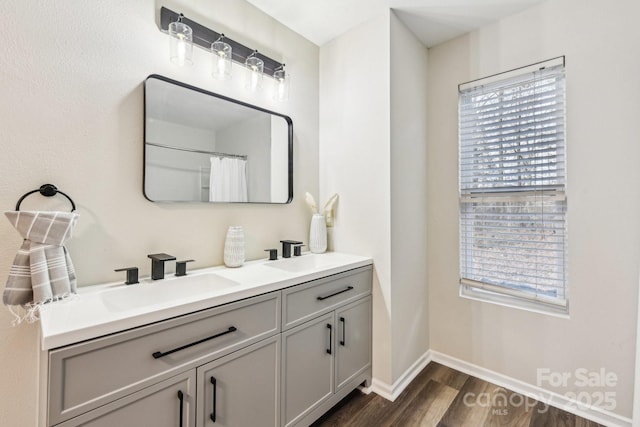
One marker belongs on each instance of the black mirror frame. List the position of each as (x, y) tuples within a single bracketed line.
[(224, 98)]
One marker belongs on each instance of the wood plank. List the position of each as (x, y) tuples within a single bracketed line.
[(549, 416), (346, 410), (468, 408), (428, 407), (445, 375), (509, 409), (375, 413), (381, 412)]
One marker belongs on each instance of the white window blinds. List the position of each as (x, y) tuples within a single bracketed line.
[(512, 182)]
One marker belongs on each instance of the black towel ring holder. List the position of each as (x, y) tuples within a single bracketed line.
[(47, 190)]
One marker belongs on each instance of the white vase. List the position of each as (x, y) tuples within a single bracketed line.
[(318, 234), (234, 247)]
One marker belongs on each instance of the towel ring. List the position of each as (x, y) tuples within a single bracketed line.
[(47, 190)]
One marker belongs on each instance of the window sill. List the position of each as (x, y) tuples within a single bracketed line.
[(513, 302)]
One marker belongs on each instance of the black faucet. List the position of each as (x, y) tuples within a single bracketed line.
[(273, 254), (286, 247), (132, 275), (157, 265), (181, 267)]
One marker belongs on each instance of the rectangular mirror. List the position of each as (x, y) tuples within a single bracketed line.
[(203, 147)]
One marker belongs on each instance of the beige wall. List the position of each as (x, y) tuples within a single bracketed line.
[(372, 153), (409, 303), (354, 160), (72, 115), (600, 41)]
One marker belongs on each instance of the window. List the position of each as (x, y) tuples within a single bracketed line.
[(513, 244)]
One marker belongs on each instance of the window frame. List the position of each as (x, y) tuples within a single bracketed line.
[(535, 192)]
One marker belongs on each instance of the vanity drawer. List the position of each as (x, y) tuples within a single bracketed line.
[(304, 302), (87, 375)]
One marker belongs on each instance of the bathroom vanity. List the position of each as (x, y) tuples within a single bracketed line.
[(274, 343)]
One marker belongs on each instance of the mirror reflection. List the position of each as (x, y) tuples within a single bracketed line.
[(204, 147)]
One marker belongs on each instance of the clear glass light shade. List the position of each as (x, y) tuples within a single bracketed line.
[(180, 43), (282, 81), (255, 67), (221, 54)]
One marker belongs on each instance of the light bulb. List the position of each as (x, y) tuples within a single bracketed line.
[(222, 54), (180, 43), (282, 80), (254, 78)]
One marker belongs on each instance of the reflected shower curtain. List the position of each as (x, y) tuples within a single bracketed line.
[(228, 180)]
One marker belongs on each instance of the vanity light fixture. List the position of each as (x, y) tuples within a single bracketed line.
[(180, 42), (282, 78), (222, 54), (257, 64)]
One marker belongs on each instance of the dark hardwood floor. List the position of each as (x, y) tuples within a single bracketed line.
[(442, 397)]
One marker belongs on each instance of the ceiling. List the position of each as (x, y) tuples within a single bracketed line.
[(432, 21)]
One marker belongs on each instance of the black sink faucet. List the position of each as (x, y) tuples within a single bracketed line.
[(157, 264), (286, 247)]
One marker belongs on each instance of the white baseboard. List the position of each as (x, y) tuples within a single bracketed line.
[(391, 392)]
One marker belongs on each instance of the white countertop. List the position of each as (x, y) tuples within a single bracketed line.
[(104, 309)]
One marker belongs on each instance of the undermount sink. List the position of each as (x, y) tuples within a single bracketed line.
[(164, 291), (301, 263)]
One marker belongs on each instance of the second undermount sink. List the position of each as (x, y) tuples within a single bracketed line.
[(164, 291), (306, 262)]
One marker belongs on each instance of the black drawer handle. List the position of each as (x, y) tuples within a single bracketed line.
[(159, 354), (329, 350), (344, 332), (181, 398), (214, 383), (347, 289)]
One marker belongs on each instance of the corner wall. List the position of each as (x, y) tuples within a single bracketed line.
[(73, 116), (599, 41), (373, 154), (409, 301), (354, 160)]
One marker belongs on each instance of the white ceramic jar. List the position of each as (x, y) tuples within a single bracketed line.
[(234, 247)]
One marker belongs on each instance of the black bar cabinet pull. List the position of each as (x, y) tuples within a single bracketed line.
[(329, 350), (159, 354), (214, 383), (181, 398), (344, 333), (347, 289)]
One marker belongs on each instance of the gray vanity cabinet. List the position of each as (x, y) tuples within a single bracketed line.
[(307, 367), (241, 389), (353, 336), (170, 403), (326, 343), (278, 359)]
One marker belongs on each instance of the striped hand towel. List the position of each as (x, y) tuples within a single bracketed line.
[(42, 270)]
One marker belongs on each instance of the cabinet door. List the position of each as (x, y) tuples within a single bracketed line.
[(353, 336), (307, 367), (170, 403), (241, 389)]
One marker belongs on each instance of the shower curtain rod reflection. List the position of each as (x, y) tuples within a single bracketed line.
[(193, 150)]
